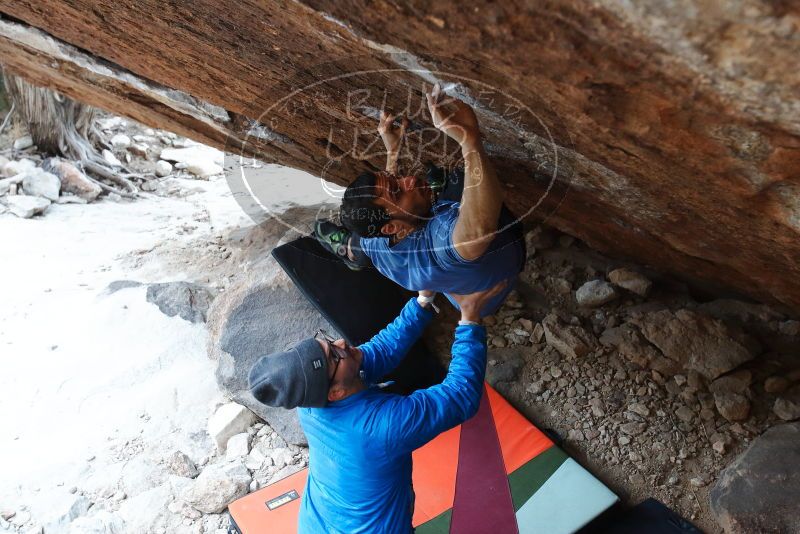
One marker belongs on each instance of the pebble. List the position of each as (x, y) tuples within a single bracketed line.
[(719, 447), (633, 428), (597, 407), (698, 482), (110, 158), (630, 280), (639, 409), (623, 440), (23, 142), (685, 414), (120, 141), (786, 409), (163, 168), (138, 149)]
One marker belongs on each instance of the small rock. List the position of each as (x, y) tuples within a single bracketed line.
[(73, 181), (776, 384), (597, 407), (630, 280), (238, 446), (23, 142), (639, 409), (571, 341), (698, 482), (138, 149), (736, 382), (111, 159), (732, 406), (595, 293), (120, 141), (217, 486), (719, 447), (163, 168), (633, 428), (180, 464), (526, 324), (538, 333), (255, 460), (685, 414), (40, 183), (623, 440), (534, 388), (7, 514), (25, 206), (229, 419), (281, 457), (787, 409), (575, 435)]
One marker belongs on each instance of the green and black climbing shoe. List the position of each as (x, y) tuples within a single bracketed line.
[(334, 238)]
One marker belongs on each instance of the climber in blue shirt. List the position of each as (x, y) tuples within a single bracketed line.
[(360, 439), (419, 232)]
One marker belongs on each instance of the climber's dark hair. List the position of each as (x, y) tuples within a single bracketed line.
[(359, 213)]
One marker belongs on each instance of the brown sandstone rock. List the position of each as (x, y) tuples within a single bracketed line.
[(666, 132), (760, 490), (571, 341), (697, 341)]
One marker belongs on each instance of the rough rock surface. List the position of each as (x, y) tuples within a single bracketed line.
[(217, 486), (268, 319), (697, 341), (675, 126), (595, 293), (26, 206), (187, 300), (570, 340), (758, 492), (73, 181)]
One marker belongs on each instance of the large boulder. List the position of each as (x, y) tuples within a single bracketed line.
[(760, 490), (269, 319), (697, 341), (261, 313)]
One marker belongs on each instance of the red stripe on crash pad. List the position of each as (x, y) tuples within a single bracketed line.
[(520, 441), (482, 502)]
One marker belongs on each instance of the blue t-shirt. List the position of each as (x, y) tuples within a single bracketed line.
[(359, 468), (427, 259)]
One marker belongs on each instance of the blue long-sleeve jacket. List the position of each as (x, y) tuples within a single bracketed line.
[(360, 447)]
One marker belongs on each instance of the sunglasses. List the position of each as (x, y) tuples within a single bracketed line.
[(336, 353)]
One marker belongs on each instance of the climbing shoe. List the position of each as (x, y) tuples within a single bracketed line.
[(334, 238)]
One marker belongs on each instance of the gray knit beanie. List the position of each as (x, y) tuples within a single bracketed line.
[(296, 377)]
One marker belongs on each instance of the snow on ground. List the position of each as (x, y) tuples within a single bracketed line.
[(86, 377)]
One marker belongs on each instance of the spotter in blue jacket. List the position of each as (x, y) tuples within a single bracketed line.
[(359, 475)]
